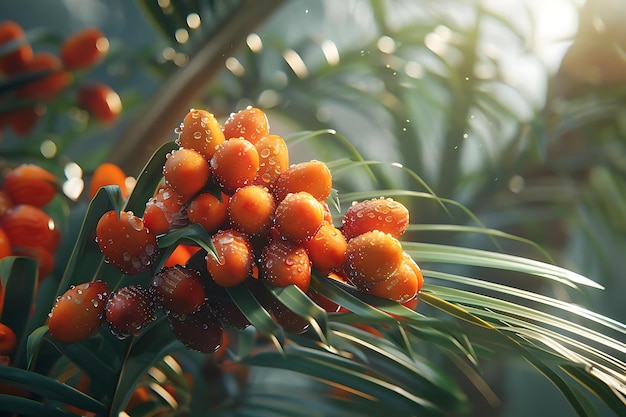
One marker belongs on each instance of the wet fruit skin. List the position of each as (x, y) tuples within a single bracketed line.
[(29, 184), (107, 174), (200, 331), (208, 211), (186, 171), (372, 256), (125, 242), (401, 286), (235, 164), (384, 214), (29, 226), (178, 289), (249, 123), (165, 211), (250, 210), (299, 216), (79, 312), (227, 312), (201, 132), (129, 311), (285, 263), (101, 101), (326, 249), (84, 49), (314, 177), (273, 160), (14, 61), (8, 340), (235, 258)]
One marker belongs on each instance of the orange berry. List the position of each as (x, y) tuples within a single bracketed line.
[(178, 289), (30, 184), (79, 312), (384, 214), (23, 120), (200, 331), (326, 249), (180, 255), (249, 123), (201, 132), (8, 340), (84, 49), (5, 244), (208, 211), (14, 61), (284, 263), (299, 216), (401, 286), (313, 177), (234, 258), (101, 101), (164, 211), (273, 160), (125, 242), (372, 256), (107, 174), (250, 210), (5, 202), (129, 311), (186, 171), (49, 85), (27, 225), (235, 164)]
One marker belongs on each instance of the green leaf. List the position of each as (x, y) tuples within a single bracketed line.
[(34, 344), (253, 310), (27, 407), (194, 233)]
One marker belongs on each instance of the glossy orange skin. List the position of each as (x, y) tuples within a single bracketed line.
[(200, 331), (235, 164), (314, 177), (107, 174), (201, 132), (235, 258), (273, 160), (250, 123), (299, 216), (129, 311), (384, 214), (5, 245), (164, 211), (372, 256), (79, 312), (401, 286), (125, 242), (30, 184), (326, 249), (84, 49), (180, 255), (27, 225), (48, 86), (178, 289), (8, 340), (14, 61), (285, 263), (186, 171), (208, 211), (101, 101), (250, 210)]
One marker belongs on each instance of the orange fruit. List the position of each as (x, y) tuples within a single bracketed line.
[(84, 49), (100, 100), (186, 171), (401, 286), (249, 123), (326, 249), (107, 174), (178, 289), (164, 211), (49, 85), (79, 312), (201, 132), (30, 184), (208, 211), (181, 255), (5, 202), (234, 258), (285, 263), (384, 214), (200, 331), (235, 164), (27, 225), (15, 60), (313, 177), (273, 160), (371, 257), (23, 120), (8, 340), (129, 311), (299, 216), (5, 244), (250, 210), (125, 242)]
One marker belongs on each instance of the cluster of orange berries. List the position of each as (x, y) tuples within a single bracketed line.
[(25, 228), (268, 221), (78, 52)]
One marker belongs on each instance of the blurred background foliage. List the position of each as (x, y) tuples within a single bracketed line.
[(515, 109)]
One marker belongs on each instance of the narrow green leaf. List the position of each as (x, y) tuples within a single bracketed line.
[(19, 281), (253, 310), (33, 344), (28, 407)]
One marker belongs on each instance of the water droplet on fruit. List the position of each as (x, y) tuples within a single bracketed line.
[(197, 135), (265, 153)]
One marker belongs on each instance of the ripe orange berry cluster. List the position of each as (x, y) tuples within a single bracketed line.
[(25, 228), (268, 221), (80, 51)]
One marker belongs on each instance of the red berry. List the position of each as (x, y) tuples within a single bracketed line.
[(249, 123), (164, 211), (101, 101), (30, 184), (84, 49), (129, 311), (27, 225), (285, 263), (384, 214), (208, 211), (200, 331), (178, 289), (107, 174), (234, 258), (8, 340), (14, 61), (372, 256), (49, 85)]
